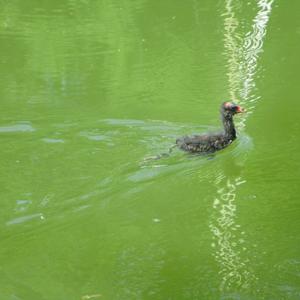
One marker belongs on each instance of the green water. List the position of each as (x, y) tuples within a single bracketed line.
[(89, 90)]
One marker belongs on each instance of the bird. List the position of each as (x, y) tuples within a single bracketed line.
[(212, 142)]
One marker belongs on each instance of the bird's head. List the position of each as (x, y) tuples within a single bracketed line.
[(230, 108)]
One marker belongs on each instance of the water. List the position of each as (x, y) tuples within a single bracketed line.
[(89, 91)]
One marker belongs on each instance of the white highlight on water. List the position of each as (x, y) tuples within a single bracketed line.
[(242, 55), (229, 241)]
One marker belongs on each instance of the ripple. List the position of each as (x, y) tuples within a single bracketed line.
[(53, 141), (17, 128), (25, 219)]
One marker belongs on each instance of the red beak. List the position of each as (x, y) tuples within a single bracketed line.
[(239, 109)]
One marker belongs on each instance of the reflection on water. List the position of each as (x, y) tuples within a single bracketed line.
[(69, 48), (233, 52), (229, 239), (81, 84), (242, 54)]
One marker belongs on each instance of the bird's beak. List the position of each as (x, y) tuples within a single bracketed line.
[(240, 109)]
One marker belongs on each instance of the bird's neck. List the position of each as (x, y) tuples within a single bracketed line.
[(229, 128)]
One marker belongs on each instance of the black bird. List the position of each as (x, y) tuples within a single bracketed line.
[(212, 142)]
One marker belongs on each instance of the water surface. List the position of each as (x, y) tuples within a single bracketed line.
[(89, 91)]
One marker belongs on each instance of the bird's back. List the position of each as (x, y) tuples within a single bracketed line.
[(206, 143)]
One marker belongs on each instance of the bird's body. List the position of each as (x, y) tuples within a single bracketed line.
[(210, 143), (207, 143)]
